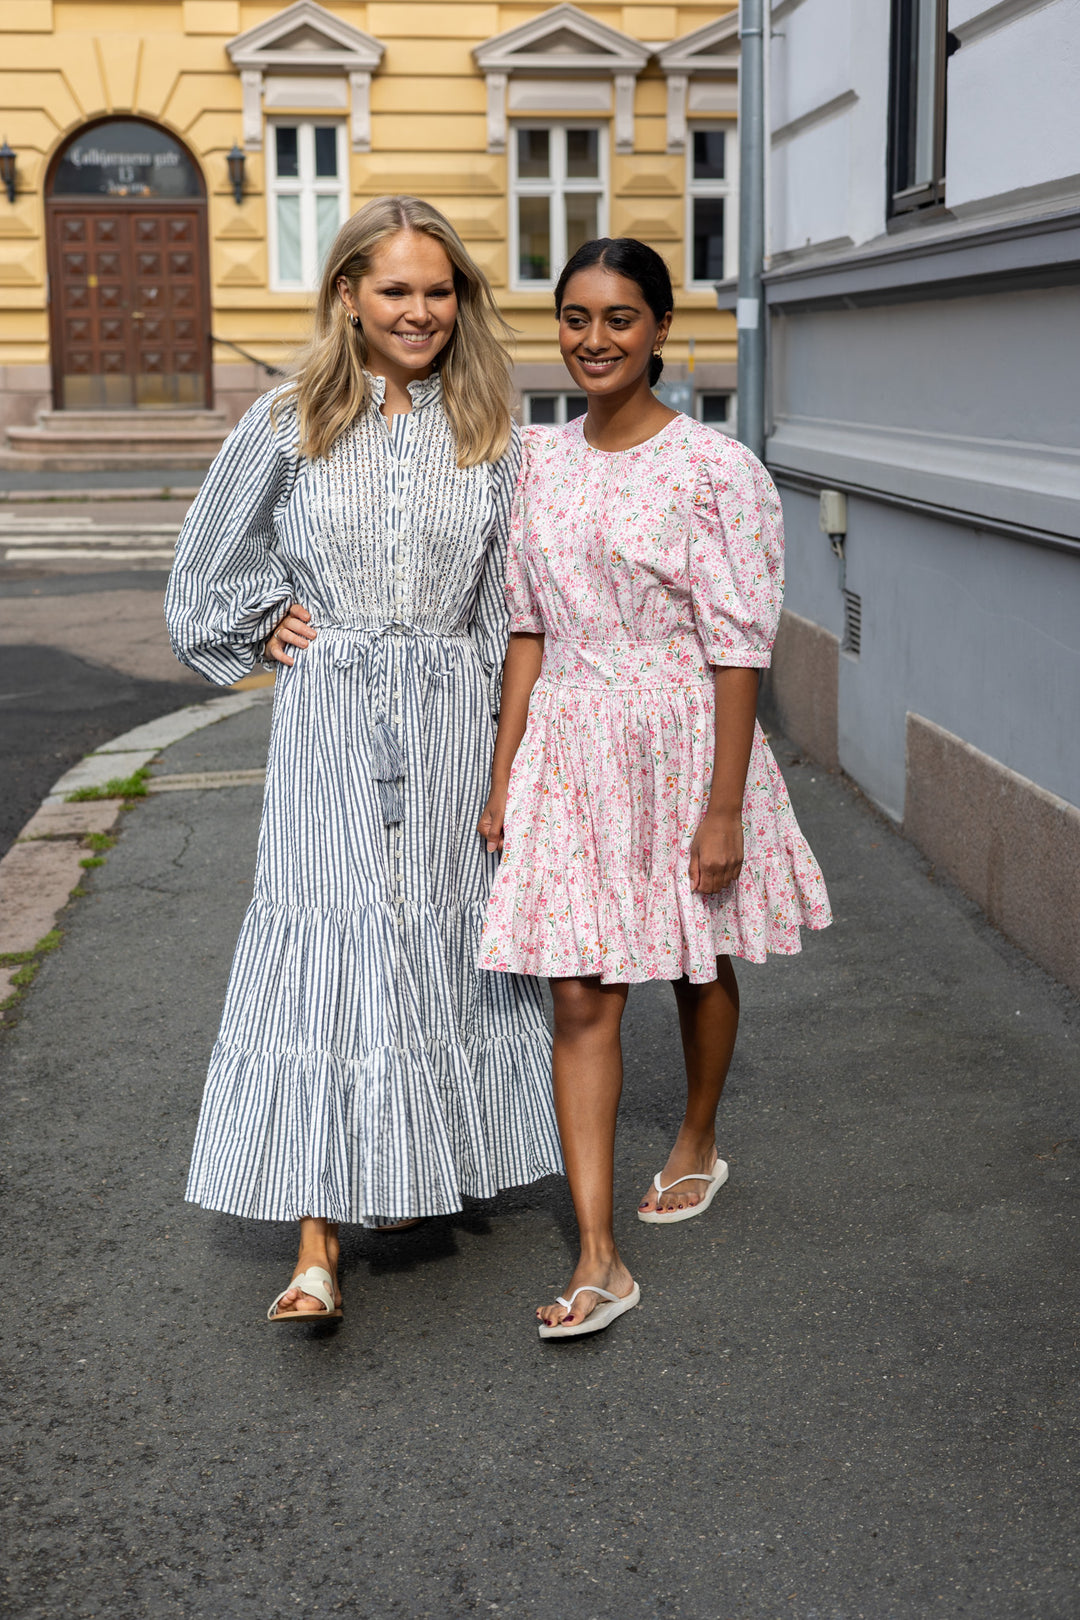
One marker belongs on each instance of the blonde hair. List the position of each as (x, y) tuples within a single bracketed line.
[(330, 388)]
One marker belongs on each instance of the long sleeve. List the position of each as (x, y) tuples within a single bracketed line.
[(736, 558), (489, 627), (228, 586)]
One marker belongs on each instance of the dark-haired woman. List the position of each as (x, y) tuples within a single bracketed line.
[(648, 832)]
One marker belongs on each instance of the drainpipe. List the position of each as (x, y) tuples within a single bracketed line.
[(750, 308)]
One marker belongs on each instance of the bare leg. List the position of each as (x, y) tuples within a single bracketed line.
[(319, 1246), (587, 1069), (709, 1023)]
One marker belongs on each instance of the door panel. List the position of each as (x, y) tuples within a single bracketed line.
[(130, 303)]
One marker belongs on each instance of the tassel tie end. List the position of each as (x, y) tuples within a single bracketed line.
[(388, 770)]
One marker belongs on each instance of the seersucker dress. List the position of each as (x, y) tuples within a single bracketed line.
[(646, 570), (364, 1069)]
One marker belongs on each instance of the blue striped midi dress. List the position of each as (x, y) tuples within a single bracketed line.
[(365, 1069)]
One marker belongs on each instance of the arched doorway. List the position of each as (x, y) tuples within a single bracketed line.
[(126, 226)]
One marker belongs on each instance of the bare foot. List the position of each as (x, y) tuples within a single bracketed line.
[(294, 1302), (685, 1159), (610, 1274)]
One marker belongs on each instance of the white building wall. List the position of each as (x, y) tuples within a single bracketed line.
[(829, 65), (811, 61), (1014, 100), (869, 130)]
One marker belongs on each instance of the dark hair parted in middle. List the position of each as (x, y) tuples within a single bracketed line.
[(628, 257)]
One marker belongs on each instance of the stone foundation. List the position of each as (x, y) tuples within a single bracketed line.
[(1010, 845), (24, 390), (799, 690)]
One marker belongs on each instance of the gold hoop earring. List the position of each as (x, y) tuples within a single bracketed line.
[(658, 354)]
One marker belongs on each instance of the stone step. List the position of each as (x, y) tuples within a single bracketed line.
[(73, 442), (133, 422), (115, 441)]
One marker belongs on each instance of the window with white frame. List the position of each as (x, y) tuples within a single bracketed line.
[(557, 409), (716, 409), (712, 167), (308, 197), (559, 197)]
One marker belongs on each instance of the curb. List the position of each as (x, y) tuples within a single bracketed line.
[(42, 870)]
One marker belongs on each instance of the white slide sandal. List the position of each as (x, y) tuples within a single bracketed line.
[(665, 1217), (601, 1316), (320, 1285)]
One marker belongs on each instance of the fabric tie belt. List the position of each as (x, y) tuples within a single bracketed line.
[(371, 649)]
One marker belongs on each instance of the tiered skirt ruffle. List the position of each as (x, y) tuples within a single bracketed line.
[(607, 791)]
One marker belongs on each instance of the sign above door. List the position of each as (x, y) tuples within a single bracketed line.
[(126, 158)]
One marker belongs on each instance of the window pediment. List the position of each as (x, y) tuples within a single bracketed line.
[(702, 72), (306, 40), (562, 44), (561, 39), (712, 49), (305, 35)]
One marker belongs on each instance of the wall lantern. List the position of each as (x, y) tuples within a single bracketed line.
[(236, 161), (7, 170)]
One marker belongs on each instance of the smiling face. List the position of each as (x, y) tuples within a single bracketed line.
[(607, 332), (406, 303)]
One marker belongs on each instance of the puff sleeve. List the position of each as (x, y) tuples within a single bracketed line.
[(736, 557), (490, 622), (229, 585), (525, 616)]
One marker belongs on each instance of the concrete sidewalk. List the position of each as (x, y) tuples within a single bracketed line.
[(850, 1391)]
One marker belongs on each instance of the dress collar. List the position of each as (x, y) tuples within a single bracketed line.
[(421, 392)]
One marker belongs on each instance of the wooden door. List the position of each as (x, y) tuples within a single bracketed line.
[(129, 305)]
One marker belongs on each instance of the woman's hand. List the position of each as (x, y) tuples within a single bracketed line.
[(490, 825), (294, 630), (716, 855)]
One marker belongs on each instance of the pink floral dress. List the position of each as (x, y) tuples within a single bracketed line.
[(644, 569)]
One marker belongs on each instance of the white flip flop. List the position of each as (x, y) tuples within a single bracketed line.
[(601, 1316), (320, 1285), (665, 1217)]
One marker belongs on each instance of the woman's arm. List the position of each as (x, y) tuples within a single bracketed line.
[(524, 656), (716, 855), (229, 586)]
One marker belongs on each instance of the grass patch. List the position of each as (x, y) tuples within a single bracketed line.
[(99, 842), (47, 943), (28, 963), (91, 861), (117, 787)]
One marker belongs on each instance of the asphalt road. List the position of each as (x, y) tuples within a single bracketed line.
[(83, 657), (850, 1392)]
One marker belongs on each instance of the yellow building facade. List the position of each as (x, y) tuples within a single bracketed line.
[(175, 169)]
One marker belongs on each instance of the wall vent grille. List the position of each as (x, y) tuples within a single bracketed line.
[(852, 623)]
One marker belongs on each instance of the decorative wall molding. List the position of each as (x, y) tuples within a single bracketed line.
[(945, 261), (1028, 491), (815, 115), (991, 18), (706, 60), (305, 41), (563, 44)]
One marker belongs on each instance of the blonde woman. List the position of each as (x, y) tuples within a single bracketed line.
[(353, 532)]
